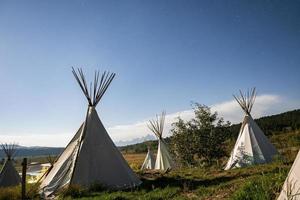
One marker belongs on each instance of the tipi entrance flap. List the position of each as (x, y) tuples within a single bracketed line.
[(248, 149), (163, 159)]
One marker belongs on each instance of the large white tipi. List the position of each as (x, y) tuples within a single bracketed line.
[(91, 156), (252, 146), (9, 176), (291, 186), (149, 161), (163, 161)]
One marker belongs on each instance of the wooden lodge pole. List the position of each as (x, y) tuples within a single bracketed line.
[(24, 167)]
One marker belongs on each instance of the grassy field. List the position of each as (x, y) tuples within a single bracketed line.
[(213, 183), (256, 182)]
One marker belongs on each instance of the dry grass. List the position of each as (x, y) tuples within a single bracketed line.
[(135, 160)]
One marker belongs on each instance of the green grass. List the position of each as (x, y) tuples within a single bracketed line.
[(255, 182), (14, 193)]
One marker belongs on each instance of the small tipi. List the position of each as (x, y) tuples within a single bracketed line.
[(149, 161), (91, 156), (9, 176), (291, 186), (163, 161), (252, 146)]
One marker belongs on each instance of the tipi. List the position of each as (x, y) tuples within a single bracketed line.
[(291, 186), (9, 176), (91, 156), (252, 146), (149, 161), (163, 161)]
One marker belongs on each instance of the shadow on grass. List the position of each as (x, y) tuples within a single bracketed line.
[(183, 183), (161, 181)]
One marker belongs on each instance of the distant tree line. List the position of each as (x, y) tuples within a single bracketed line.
[(287, 121), (140, 147)]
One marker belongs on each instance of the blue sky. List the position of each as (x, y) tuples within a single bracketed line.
[(165, 54)]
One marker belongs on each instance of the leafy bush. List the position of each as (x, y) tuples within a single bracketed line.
[(202, 137)]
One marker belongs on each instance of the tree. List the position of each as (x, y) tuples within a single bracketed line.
[(183, 135), (202, 137)]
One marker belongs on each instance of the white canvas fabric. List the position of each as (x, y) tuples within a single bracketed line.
[(163, 159), (9, 176), (60, 174), (251, 147), (149, 161), (291, 186), (91, 157)]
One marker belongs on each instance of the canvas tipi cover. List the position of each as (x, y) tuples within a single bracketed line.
[(9, 176), (252, 146), (91, 156), (149, 161), (291, 186), (163, 161)]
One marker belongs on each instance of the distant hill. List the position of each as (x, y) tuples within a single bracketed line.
[(34, 151), (273, 124), (135, 141), (141, 147)]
